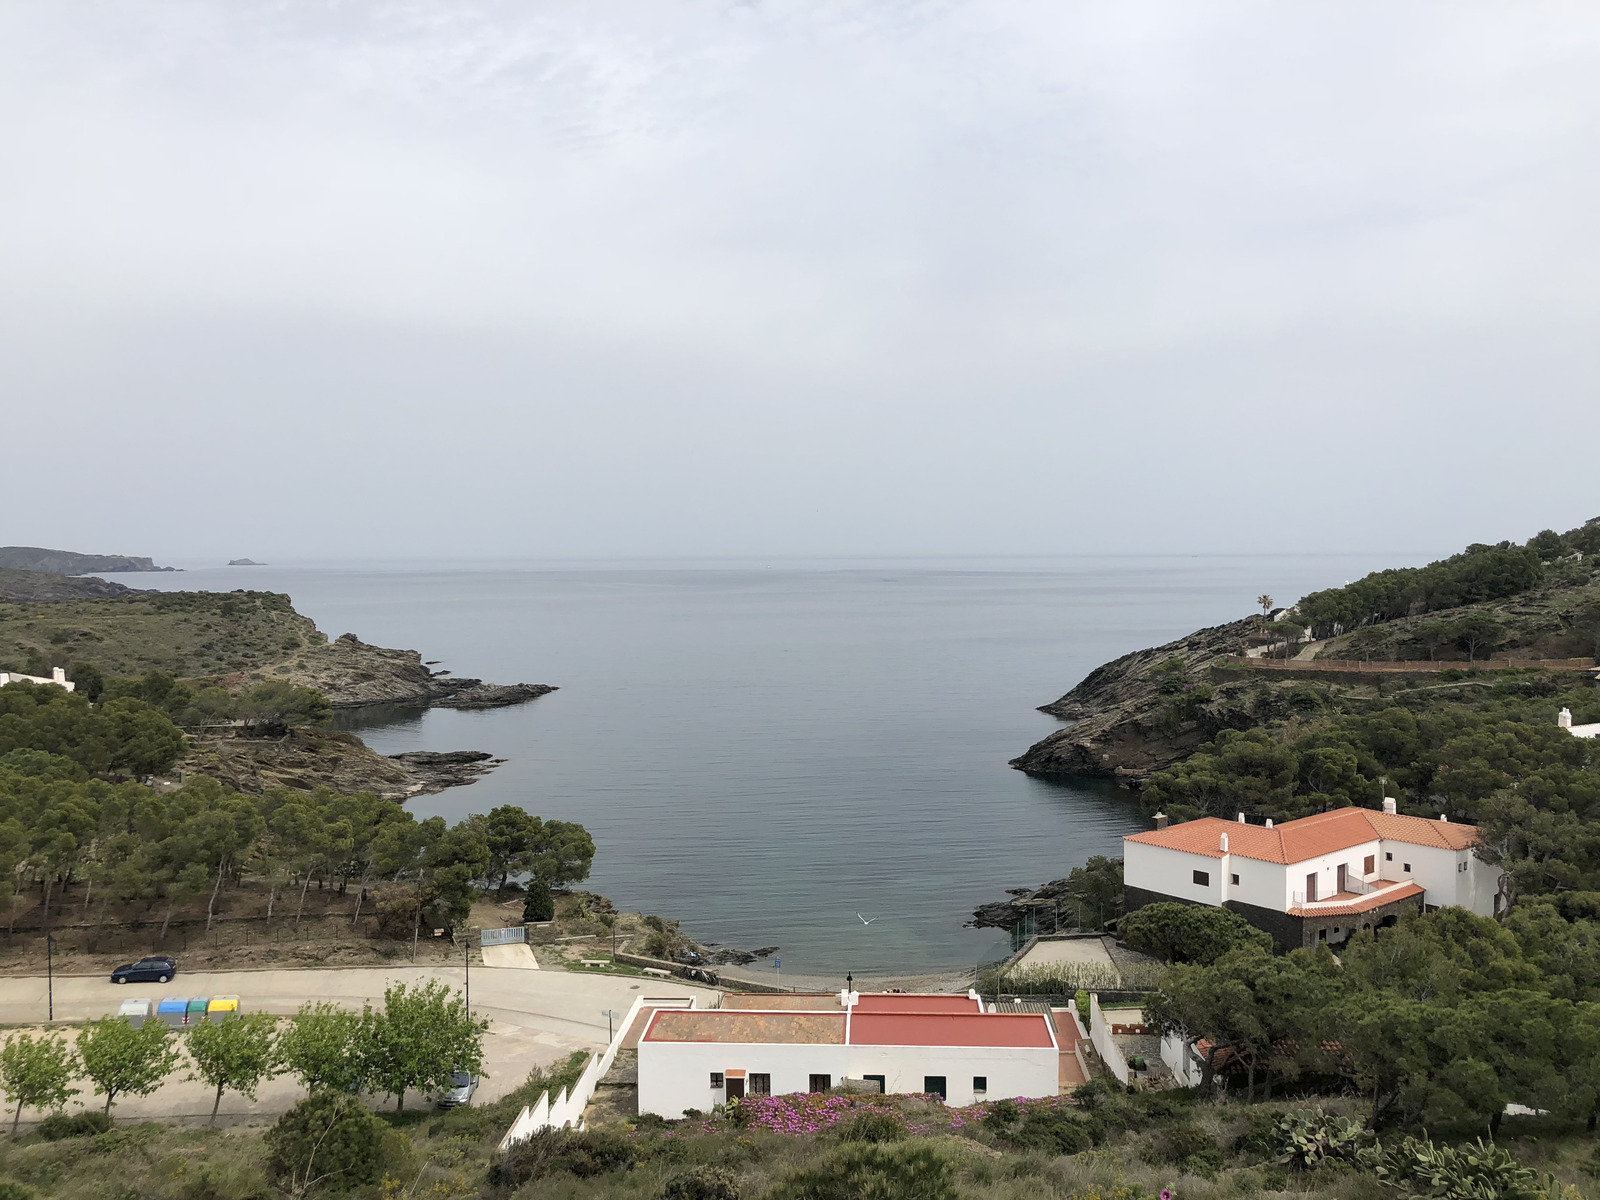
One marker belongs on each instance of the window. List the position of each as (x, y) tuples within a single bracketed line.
[(1322, 935), (1388, 857), (980, 1084), (1461, 868), (881, 1080), (821, 1083), (1233, 879), (1369, 864), (934, 1085), (716, 1079), (1405, 867), (760, 1085), (1203, 878)]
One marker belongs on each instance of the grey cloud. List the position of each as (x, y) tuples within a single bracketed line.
[(771, 278)]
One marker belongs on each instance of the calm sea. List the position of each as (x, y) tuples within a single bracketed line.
[(766, 750)]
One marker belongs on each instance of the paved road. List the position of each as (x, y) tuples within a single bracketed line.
[(536, 1018)]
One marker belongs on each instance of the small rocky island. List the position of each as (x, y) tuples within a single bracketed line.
[(244, 562)]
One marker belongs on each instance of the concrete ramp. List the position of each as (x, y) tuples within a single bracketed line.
[(518, 955)]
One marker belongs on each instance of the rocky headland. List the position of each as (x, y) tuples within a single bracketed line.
[(305, 759), (352, 673), (68, 562), (43, 587), (1147, 710)]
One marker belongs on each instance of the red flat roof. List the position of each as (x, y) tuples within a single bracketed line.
[(949, 1029), (900, 1002)]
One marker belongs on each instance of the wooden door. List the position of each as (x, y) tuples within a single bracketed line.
[(1343, 874), (1311, 886), (735, 1088)]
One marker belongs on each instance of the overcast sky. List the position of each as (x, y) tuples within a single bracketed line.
[(658, 277)]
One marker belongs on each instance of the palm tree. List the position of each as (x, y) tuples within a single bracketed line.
[(1266, 603)]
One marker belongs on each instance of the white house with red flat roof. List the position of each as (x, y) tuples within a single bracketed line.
[(696, 1059), (1320, 878)]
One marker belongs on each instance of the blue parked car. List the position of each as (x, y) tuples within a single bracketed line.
[(146, 970)]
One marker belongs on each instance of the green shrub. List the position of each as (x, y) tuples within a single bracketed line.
[(540, 905), (327, 1137), (585, 1154), (869, 1127), (909, 1171), (59, 1126), (1189, 1147), (1002, 1115), (1052, 1131), (15, 1191), (702, 1183)]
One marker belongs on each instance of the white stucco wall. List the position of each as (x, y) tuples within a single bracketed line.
[(675, 1076), (1327, 867), (1260, 883), (1011, 1071), (1171, 872), (1439, 872)]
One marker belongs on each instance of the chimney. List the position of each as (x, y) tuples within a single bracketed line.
[(1564, 718), (1444, 818), (1162, 820), (1224, 843), (1389, 805), (1269, 822), (1241, 818), (58, 675)]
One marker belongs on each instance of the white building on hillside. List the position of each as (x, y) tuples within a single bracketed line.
[(1319, 878), (1564, 720), (771, 1045), (57, 677)]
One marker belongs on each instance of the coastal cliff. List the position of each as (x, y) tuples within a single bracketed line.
[(1147, 710), (68, 562)]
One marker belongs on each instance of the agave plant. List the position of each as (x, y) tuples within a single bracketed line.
[(1312, 1138)]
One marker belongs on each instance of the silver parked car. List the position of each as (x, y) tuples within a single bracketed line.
[(462, 1085)]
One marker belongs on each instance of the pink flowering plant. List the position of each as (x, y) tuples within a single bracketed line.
[(802, 1114)]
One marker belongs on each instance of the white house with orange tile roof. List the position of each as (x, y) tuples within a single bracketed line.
[(772, 1045), (1320, 878)]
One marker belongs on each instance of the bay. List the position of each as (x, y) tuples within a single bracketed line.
[(774, 751)]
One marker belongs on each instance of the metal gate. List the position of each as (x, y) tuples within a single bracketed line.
[(502, 937)]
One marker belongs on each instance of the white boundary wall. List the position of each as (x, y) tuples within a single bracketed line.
[(1105, 1046), (1178, 1053), (567, 1109)]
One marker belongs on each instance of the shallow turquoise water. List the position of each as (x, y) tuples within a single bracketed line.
[(766, 749)]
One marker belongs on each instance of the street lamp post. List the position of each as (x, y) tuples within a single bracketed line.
[(50, 971), (467, 955)]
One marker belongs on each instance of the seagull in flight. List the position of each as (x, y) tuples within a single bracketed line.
[(864, 920)]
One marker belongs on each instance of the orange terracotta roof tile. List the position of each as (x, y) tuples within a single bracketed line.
[(1308, 837)]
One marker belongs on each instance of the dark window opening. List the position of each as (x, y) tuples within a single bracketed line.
[(760, 1085), (1405, 867), (1388, 857), (1322, 935), (980, 1083), (1234, 879), (934, 1085), (716, 1079), (1203, 878), (821, 1083), (881, 1080)]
